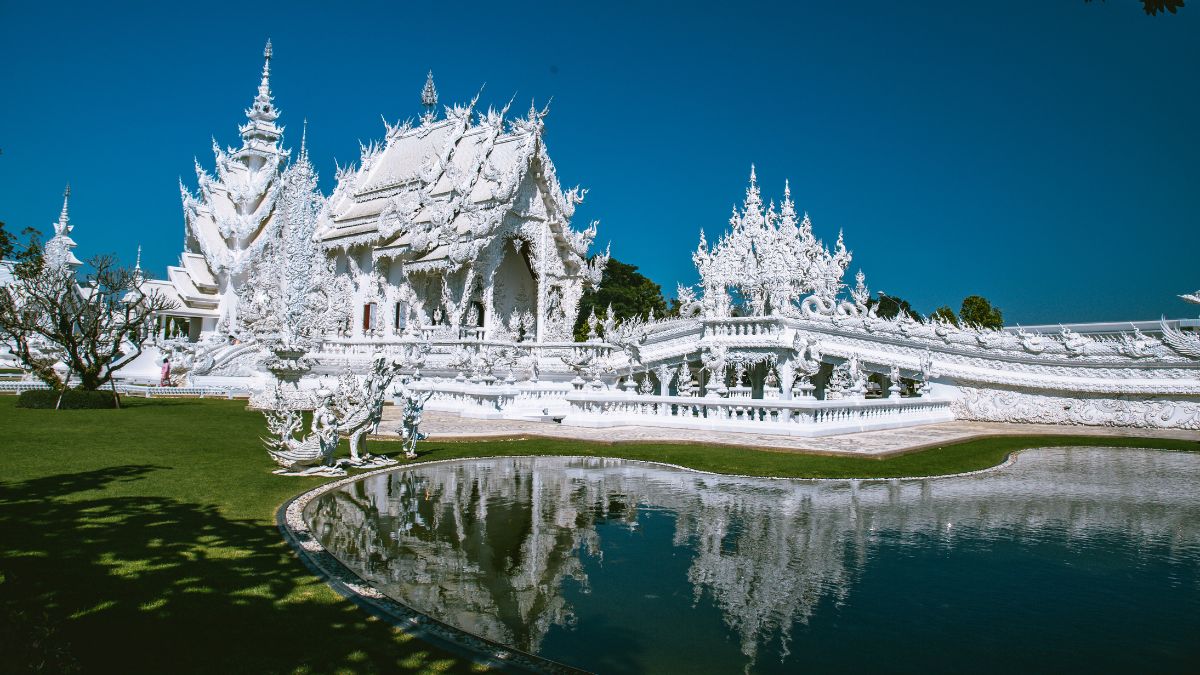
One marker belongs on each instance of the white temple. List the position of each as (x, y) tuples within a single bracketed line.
[(458, 221), (450, 244)]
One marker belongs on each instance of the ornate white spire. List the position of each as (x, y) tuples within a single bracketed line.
[(264, 86), (429, 98), (752, 213), (230, 220), (260, 131), (58, 250), (787, 211), (63, 226)]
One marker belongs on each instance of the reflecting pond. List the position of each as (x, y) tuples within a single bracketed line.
[(1068, 559)]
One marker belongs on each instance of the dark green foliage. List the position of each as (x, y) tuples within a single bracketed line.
[(946, 314), (891, 306), (628, 291), (72, 399), (28, 256), (1153, 7), (978, 311)]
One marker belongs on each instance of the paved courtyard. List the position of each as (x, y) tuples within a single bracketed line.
[(450, 427)]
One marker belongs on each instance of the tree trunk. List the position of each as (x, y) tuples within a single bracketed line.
[(61, 393)]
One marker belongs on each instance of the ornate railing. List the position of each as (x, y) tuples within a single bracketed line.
[(743, 327), (521, 400), (794, 417)]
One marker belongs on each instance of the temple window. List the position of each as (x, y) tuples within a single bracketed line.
[(368, 316), (400, 319)]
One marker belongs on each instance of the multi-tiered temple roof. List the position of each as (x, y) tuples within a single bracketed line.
[(432, 189)]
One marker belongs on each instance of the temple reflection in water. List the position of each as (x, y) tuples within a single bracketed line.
[(489, 545)]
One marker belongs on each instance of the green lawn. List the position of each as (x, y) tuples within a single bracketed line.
[(144, 540)]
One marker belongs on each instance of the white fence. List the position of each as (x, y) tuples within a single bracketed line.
[(807, 417), (519, 401), (141, 391)]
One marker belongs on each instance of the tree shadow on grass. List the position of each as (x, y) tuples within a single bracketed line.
[(153, 584)]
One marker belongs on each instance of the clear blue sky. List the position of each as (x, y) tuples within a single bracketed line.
[(1043, 153)]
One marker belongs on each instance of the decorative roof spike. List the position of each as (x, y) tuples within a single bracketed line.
[(753, 204), (261, 109), (429, 98), (264, 86), (64, 220), (788, 208), (304, 141), (138, 276)]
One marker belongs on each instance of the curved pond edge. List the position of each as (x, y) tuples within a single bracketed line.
[(289, 518)]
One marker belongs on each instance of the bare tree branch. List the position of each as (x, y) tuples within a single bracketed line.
[(93, 327)]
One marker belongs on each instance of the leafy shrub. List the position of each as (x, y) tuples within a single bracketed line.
[(73, 399)]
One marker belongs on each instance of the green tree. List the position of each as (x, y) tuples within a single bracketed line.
[(978, 311), (7, 242), (890, 306), (946, 314), (629, 292)]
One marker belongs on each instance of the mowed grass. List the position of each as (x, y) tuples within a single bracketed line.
[(144, 539)]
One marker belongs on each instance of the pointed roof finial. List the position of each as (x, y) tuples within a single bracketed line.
[(753, 177), (138, 275), (264, 87), (304, 141), (261, 113), (262, 101), (429, 97), (63, 218), (787, 189)]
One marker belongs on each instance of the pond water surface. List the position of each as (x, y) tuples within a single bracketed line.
[(1069, 559)]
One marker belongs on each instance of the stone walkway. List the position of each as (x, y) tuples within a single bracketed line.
[(450, 427)]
